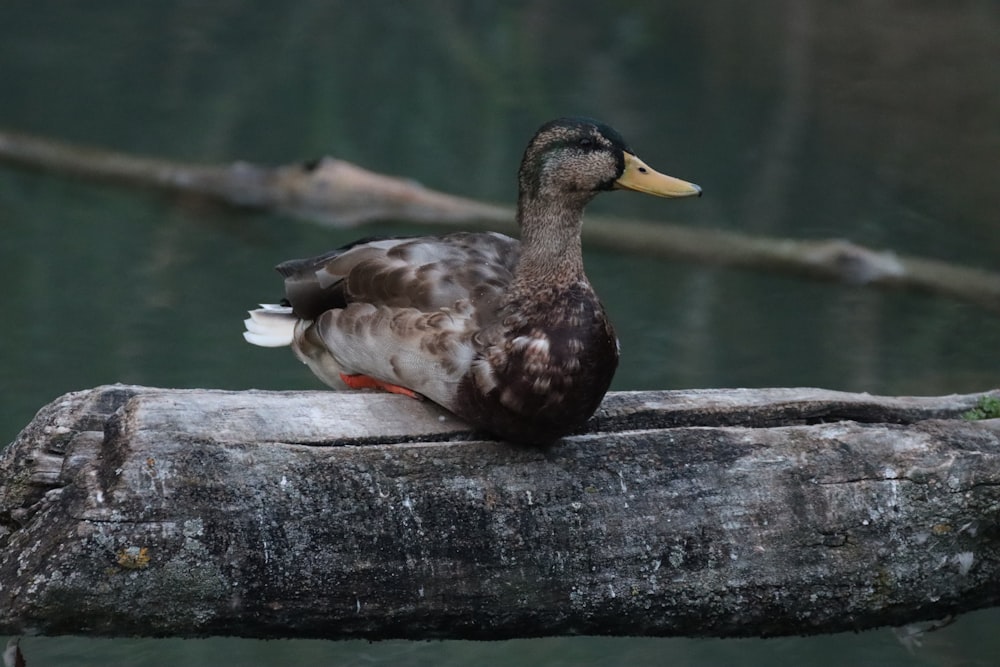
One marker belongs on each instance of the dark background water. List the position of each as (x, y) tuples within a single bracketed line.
[(878, 122)]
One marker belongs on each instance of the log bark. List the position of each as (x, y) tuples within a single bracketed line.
[(129, 510), (340, 194)]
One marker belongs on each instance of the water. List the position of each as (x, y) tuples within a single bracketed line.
[(874, 122)]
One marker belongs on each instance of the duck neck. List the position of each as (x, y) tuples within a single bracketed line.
[(550, 241)]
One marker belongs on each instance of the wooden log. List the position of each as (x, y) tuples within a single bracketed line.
[(129, 510), (337, 193)]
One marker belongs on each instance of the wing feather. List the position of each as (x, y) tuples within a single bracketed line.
[(425, 273), (427, 351)]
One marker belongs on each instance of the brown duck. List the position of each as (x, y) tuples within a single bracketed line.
[(508, 335)]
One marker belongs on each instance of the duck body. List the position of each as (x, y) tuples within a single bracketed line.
[(547, 365), (508, 335)]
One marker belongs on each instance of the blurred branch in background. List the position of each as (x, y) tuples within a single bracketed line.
[(340, 194)]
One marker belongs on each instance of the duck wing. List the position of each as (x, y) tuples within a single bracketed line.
[(405, 311), (426, 273), (425, 352)]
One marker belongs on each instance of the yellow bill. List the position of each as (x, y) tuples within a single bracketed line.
[(641, 177)]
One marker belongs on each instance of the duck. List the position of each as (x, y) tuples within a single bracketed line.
[(507, 334)]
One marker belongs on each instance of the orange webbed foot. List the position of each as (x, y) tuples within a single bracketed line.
[(367, 382)]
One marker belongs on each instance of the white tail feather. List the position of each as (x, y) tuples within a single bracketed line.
[(270, 326)]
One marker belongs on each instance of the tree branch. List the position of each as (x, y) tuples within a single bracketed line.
[(339, 194), (137, 511)]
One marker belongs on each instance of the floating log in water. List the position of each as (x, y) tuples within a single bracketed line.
[(136, 511), (337, 193)]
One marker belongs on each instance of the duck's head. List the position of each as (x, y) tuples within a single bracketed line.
[(573, 159)]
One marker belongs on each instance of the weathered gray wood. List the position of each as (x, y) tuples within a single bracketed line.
[(130, 510)]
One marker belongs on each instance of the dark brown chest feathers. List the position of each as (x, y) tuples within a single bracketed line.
[(547, 377)]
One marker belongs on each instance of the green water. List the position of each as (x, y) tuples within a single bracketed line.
[(875, 122)]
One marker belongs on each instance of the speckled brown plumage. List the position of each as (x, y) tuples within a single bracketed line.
[(508, 335)]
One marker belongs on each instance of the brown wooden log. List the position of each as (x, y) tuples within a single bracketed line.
[(137, 511), (340, 194)]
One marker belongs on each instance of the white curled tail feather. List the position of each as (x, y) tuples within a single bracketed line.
[(270, 326)]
